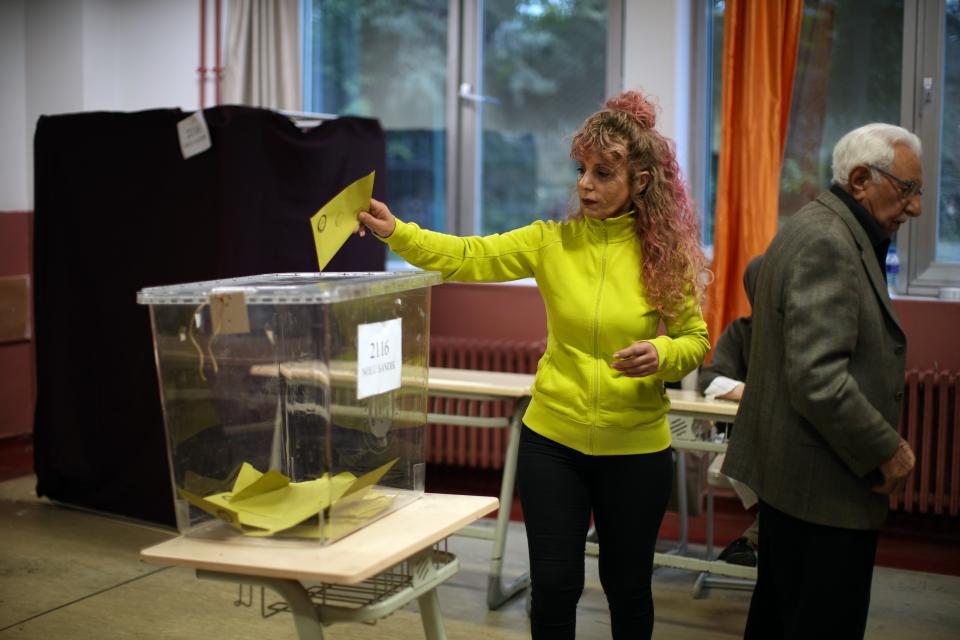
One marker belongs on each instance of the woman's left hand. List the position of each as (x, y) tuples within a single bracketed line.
[(638, 360)]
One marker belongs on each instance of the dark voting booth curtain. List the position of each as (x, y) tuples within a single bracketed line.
[(117, 209)]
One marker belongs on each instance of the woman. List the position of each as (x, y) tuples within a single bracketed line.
[(595, 436)]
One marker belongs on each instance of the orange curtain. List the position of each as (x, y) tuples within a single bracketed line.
[(759, 56)]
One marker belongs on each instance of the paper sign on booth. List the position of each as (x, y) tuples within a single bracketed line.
[(379, 357)]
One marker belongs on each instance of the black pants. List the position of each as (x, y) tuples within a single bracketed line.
[(813, 581), (559, 487)]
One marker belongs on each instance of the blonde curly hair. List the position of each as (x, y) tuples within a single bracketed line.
[(667, 227)]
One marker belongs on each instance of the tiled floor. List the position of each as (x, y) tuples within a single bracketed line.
[(71, 574)]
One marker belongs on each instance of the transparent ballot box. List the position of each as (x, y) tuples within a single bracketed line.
[(295, 405)]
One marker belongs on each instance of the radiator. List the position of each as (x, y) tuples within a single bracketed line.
[(930, 422), (469, 446)]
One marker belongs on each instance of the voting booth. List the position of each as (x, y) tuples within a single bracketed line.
[(295, 405)]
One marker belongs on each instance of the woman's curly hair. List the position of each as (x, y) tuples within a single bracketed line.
[(667, 227)]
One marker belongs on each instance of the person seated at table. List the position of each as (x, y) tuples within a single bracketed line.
[(596, 437), (724, 378)]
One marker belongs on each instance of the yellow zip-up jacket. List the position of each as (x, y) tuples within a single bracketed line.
[(588, 272)]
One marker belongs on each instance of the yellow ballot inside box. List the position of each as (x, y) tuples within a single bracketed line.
[(264, 504)]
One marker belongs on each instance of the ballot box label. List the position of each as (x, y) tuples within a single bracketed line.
[(379, 357)]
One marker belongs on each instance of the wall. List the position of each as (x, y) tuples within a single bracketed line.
[(14, 153), (62, 56), (18, 390), (94, 55), (657, 59), (489, 311), (933, 332), (516, 312)]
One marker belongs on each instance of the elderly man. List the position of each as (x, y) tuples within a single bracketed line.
[(816, 430)]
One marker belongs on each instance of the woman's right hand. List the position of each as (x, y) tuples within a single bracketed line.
[(378, 219)]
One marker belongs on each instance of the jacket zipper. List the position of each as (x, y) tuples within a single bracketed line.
[(596, 337)]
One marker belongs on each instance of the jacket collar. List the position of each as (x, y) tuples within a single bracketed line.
[(867, 257), (877, 236), (617, 229)]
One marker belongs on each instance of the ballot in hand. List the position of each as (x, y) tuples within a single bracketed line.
[(336, 220), (377, 219)]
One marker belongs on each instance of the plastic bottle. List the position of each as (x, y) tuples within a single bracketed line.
[(893, 270)]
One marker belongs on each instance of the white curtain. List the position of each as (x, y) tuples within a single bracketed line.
[(262, 58)]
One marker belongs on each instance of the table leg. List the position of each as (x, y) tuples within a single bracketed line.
[(430, 616), (292, 591), (710, 515), (682, 506), (498, 593)]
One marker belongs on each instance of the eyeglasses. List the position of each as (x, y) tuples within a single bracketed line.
[(908, 188)]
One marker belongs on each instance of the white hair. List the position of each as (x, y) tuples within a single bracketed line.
[(870, 144)]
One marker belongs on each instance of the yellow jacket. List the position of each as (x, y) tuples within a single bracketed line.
[(588, 272)]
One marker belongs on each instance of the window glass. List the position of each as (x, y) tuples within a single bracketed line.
[(388, 60), (543, 71), (846, 77), (948, 218), (716, 118)]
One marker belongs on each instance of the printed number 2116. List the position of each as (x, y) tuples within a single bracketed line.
[(379, 349)]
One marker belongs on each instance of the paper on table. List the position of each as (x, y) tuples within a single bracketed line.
[(262, 504), (337, 219)]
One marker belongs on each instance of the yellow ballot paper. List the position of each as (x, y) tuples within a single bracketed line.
[(337, 219), (263, 504)]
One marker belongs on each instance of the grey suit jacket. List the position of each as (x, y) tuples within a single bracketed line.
[(825, 377)]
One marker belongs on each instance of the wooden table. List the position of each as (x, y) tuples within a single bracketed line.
[(693, 405), (461, 384), (400, 545), (489, 385), (485, 385)]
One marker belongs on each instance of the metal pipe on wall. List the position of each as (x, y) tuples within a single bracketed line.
[(217, 69), (202, 70)]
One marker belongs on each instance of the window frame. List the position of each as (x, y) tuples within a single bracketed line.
[(921, 112), (701, 138), (465, 120), (464, 81)]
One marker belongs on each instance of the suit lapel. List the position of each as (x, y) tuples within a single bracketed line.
[(867, 256)]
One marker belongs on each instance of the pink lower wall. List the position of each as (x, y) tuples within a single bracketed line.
[(18, 382), (494, 311), (933, 332), (516, 312)]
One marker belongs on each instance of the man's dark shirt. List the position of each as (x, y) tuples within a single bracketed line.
[(878, 237)]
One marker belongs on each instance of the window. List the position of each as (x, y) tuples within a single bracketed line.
[(931, 105), (948, 204), (830, 95), (846, 76), (864, 61), (543, 67), (387, 59), (707, 51), (477, 118)]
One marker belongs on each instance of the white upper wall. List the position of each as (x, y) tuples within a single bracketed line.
[(658, 44), (14, 150), (153, 54), (64, 56)]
